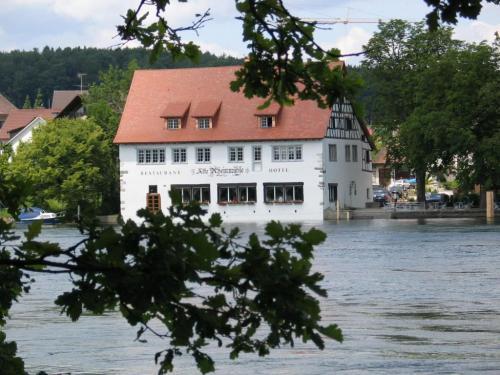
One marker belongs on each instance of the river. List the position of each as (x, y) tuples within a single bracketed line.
[(410, 297)]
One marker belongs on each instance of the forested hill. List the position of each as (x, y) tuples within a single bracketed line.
[(24, 72)]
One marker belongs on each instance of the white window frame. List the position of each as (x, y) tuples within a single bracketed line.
[(354, 157), (283, 186), (264, 122), (257, 150), (182, 151), (205, 155), (190, 189), (287, 153), (173, 123), (204, 122), (238, 188), (347, 153), (151, 156), (332, 152), (235, 154)]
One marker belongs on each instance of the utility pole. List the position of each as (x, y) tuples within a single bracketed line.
[(81, 75)]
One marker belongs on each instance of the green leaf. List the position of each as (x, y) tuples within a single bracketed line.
[(332, 331), (34, 230), (204, 362)]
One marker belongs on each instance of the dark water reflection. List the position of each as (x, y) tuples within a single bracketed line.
[(411, 297)]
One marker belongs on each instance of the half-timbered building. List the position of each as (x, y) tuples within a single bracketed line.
[(185, 130)]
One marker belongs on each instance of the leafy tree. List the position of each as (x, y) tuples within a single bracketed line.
[(413, 126), (104, 104), (448, 11), (284, 61), (23, 72), (256, 296), (105, 100), (27, 102), (468, 82), (38, 99), (67, 160)]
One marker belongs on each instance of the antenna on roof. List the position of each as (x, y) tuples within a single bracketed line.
[(81, 75)]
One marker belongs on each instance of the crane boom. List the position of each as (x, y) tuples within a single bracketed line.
[(345, 21)]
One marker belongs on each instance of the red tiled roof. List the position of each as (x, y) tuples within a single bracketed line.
[(20, 118), (61, 98), (175, 109), (152, 90), (5, 105), (271, 110), (380, 156), (206, 108)]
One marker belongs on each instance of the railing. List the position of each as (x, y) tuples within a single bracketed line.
[(405, 206)]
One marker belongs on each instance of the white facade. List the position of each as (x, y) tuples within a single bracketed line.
[(25, 134), (314, 173)]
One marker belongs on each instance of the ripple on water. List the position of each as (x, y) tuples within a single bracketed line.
[(410, 297)]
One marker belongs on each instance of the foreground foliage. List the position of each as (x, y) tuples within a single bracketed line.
[(194, 280), (68, 162), (284, 61)]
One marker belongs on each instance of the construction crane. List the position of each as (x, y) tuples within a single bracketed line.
[(338, 20)]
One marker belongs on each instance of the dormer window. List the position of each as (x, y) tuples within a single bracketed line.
[(267, 121), (268, 115), (173, 123), (204, 122)]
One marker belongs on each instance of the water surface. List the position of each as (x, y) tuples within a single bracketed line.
[(411, 297)]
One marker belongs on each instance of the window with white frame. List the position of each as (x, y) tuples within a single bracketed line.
[(151, 156), (173, 123), (354, 153), (257, 153), (284, 192), (347, 152), (287, 153), (267, 121), (203, 155), (332, 152), (236, 193), (179, 155), (204, 122), (235, 154), (193, 193)]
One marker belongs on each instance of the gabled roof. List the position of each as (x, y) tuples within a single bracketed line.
[(35, 122), (207, 108), (5, 105), (153, 92), (175, 109), (61, 98), (20, 118)]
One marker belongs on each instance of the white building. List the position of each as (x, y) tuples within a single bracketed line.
[(184, 129)]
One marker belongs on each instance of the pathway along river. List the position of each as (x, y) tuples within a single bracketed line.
[(411, 297)]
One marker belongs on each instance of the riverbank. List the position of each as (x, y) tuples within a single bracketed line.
[(382, 213)]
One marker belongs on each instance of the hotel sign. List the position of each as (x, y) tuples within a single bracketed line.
[(220, 171)]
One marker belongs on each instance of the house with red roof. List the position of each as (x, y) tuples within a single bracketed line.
[(19, 123), (5, 108), (185, 130), (18, 119)]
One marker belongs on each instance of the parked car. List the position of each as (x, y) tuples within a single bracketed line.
[(380, 195), (437, 199)]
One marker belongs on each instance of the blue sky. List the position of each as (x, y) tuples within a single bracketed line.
[(28, 24)]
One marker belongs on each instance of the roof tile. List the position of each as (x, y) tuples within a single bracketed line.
[(151, 90), (20, 118)]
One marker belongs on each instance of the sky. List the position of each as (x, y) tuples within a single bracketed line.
[(28, 24)]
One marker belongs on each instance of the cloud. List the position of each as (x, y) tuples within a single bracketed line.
[(476, 31), (218, 50)]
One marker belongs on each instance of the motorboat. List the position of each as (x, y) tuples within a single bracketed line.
[(31, 214)]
